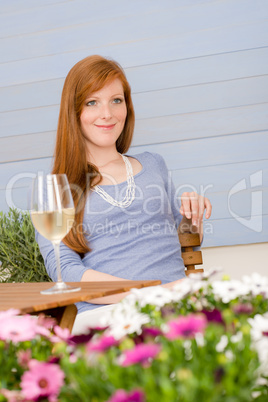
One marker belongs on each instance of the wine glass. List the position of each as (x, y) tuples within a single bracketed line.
[(52, 213)]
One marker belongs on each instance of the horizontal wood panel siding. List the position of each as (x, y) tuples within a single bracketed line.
[(180, 73), (199, 76), (173, 101), (143, 52)]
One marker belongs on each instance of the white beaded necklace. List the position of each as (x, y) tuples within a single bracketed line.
[(130, 191)]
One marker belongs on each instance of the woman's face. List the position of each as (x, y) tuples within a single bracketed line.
[(103, 116)]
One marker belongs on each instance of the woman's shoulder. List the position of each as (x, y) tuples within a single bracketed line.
[(151, 158)]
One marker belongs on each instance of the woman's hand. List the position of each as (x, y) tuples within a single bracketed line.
[(193, 207)]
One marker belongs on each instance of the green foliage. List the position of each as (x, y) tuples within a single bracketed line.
[(21, 260)]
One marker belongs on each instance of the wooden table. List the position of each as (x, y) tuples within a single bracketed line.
[(26, 297)]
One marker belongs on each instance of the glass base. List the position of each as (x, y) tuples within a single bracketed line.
[(59, 287)]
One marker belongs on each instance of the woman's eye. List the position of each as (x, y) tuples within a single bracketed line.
[(118, 100), (91, 103)]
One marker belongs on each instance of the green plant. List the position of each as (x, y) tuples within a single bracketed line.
[(20, 257)]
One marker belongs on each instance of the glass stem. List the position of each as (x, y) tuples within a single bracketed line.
[(57, 255)]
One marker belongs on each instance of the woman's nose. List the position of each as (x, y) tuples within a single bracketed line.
[(106, 112)]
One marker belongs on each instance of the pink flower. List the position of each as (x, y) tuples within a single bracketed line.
[(122, 396), (24, 357), (8, 313), (186, 326), (141, 353), (18, 328), (46, 322), (101, 344), (43, 380), (12, 396), (62, 334)]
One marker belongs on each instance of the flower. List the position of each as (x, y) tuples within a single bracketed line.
[(257, 284), (102, 343), (222, 344), (213, 315), (259, 326), (18, 328), (43, 380), (122, 396), (229, 290), (141, 353), (12, 396), (24, 357), (61, 334), (186, 326), (189, 285), (8, 313), (151, 332), (123, 321), (243, 308), (154, 295)]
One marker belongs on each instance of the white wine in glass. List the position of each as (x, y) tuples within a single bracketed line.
[(52, 213)]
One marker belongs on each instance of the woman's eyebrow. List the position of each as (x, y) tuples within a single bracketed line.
[(97, 97)]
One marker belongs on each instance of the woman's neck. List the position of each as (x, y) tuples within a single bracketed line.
[(101, 158)]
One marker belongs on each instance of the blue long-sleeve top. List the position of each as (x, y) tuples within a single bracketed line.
[(139, 242)]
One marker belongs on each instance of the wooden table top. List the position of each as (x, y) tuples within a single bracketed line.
[(26, 297)]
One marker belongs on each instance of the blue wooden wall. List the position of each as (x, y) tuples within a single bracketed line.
[(199, 75)]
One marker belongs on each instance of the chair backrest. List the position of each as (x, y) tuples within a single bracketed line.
[(190, 257)]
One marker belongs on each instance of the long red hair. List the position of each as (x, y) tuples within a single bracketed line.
[(87, 76)]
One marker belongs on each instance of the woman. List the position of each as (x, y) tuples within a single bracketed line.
[(127, 213)]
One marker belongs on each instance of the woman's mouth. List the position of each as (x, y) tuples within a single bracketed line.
[(105, 127)]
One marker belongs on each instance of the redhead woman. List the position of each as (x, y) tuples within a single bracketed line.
[(127, 212)]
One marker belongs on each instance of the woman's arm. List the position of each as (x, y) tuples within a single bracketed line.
[(72, 267)]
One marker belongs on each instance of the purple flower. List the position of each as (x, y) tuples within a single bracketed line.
[(101, 344), (79, 339), (43, 380), (141, 353), (243, 308), (213, 315), (151, 331), (186, 326), (122, 396)]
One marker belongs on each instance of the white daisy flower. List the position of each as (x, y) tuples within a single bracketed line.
[(229, 290), (222, 344), (259, 334), (155, 295), (258, 284), (123, 321)]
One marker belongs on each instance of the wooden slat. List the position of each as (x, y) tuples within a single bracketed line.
[(193, 271), (192, 44), (173, 74), (192, 258), (47, 15), (186, 126), (219, 178), (227, 149), (189, 239), (211, 96), (179, 21)]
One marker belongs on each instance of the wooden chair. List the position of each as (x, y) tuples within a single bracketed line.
[(190, 257)]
